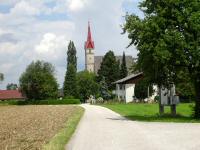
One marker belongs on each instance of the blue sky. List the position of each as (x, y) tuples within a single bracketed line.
[(35, 29)]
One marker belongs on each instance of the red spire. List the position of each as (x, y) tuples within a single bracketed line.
[(89, 44)]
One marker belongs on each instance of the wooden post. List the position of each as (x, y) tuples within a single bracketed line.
[(161, 107), (173, 110)]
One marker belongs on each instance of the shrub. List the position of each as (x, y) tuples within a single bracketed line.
[(41, 102), (38, 81)]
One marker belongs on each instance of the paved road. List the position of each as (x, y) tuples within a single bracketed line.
[(103, 129)]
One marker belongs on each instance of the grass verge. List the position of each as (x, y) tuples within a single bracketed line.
[(59, 141), (149, 112)]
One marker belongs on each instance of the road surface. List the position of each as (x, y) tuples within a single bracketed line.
[(103, 129)]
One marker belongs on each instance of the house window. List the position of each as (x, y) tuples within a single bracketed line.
[(122, 87)]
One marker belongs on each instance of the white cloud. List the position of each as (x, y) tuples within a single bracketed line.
[(76, 5), (51, 47), (24, 8)]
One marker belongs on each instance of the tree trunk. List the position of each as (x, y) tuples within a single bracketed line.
[(173, 110), (197, 100), (161, 107)]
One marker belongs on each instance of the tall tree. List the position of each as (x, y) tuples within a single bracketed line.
[(109, 69), (71, 55), (38, 81), (69, 86), (123, 68), (168, 40), (103, 88)]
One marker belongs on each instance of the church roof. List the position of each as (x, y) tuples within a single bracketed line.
[(89, 44)]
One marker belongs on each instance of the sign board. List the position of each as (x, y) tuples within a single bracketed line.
[(168, 96)]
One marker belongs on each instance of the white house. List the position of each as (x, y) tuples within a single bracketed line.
[(125, 88)]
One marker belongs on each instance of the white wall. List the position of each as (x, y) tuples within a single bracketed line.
[(126, 94), (129, 92)]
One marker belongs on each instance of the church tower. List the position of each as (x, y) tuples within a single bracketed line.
[(89, 52)]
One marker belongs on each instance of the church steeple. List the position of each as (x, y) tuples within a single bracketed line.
[(89, 51), (89, 44)]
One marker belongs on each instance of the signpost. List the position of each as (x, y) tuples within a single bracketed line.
[(168, 97)]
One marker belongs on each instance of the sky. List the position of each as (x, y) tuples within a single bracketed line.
[(33, 30)]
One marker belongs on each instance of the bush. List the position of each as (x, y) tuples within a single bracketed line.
[(38, 81), (42, 102)]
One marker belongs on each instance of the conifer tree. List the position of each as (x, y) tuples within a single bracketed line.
[(69, 87), (109, 70), (123, 69)]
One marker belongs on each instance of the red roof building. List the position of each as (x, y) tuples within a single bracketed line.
[(10, 94), (89, 44)]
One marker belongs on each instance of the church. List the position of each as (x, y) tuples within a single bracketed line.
[(92, 62)]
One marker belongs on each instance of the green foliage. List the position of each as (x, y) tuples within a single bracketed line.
[(184, 87), (123, 68), (109, 70), (69, 86), (38, 81), (141, 89), (11, 86), (168, 41), (71, 55), (1, 77), (86, 85), (41, 102), (104, 92)]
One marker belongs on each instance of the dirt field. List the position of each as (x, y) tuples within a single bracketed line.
[(29, 127)]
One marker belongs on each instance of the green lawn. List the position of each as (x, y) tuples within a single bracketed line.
[(149, 112)]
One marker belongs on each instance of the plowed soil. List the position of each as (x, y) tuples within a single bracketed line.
[(29, 127)]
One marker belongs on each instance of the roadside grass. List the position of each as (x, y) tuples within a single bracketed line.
[(149, 112), (59, 141), (34, 126)]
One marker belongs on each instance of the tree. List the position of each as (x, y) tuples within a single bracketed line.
[(1, 77), (109, 69), (123, 69), (142, 88), (69, 86), (104, 92), (71, 55), (12, 86), (168, 41), (86, 85), (38, 81)]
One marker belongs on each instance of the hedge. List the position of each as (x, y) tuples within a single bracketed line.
[(41, 102)]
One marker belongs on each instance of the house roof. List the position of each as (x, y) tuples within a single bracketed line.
[(128, 78), (89, 44), (10, 94)]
